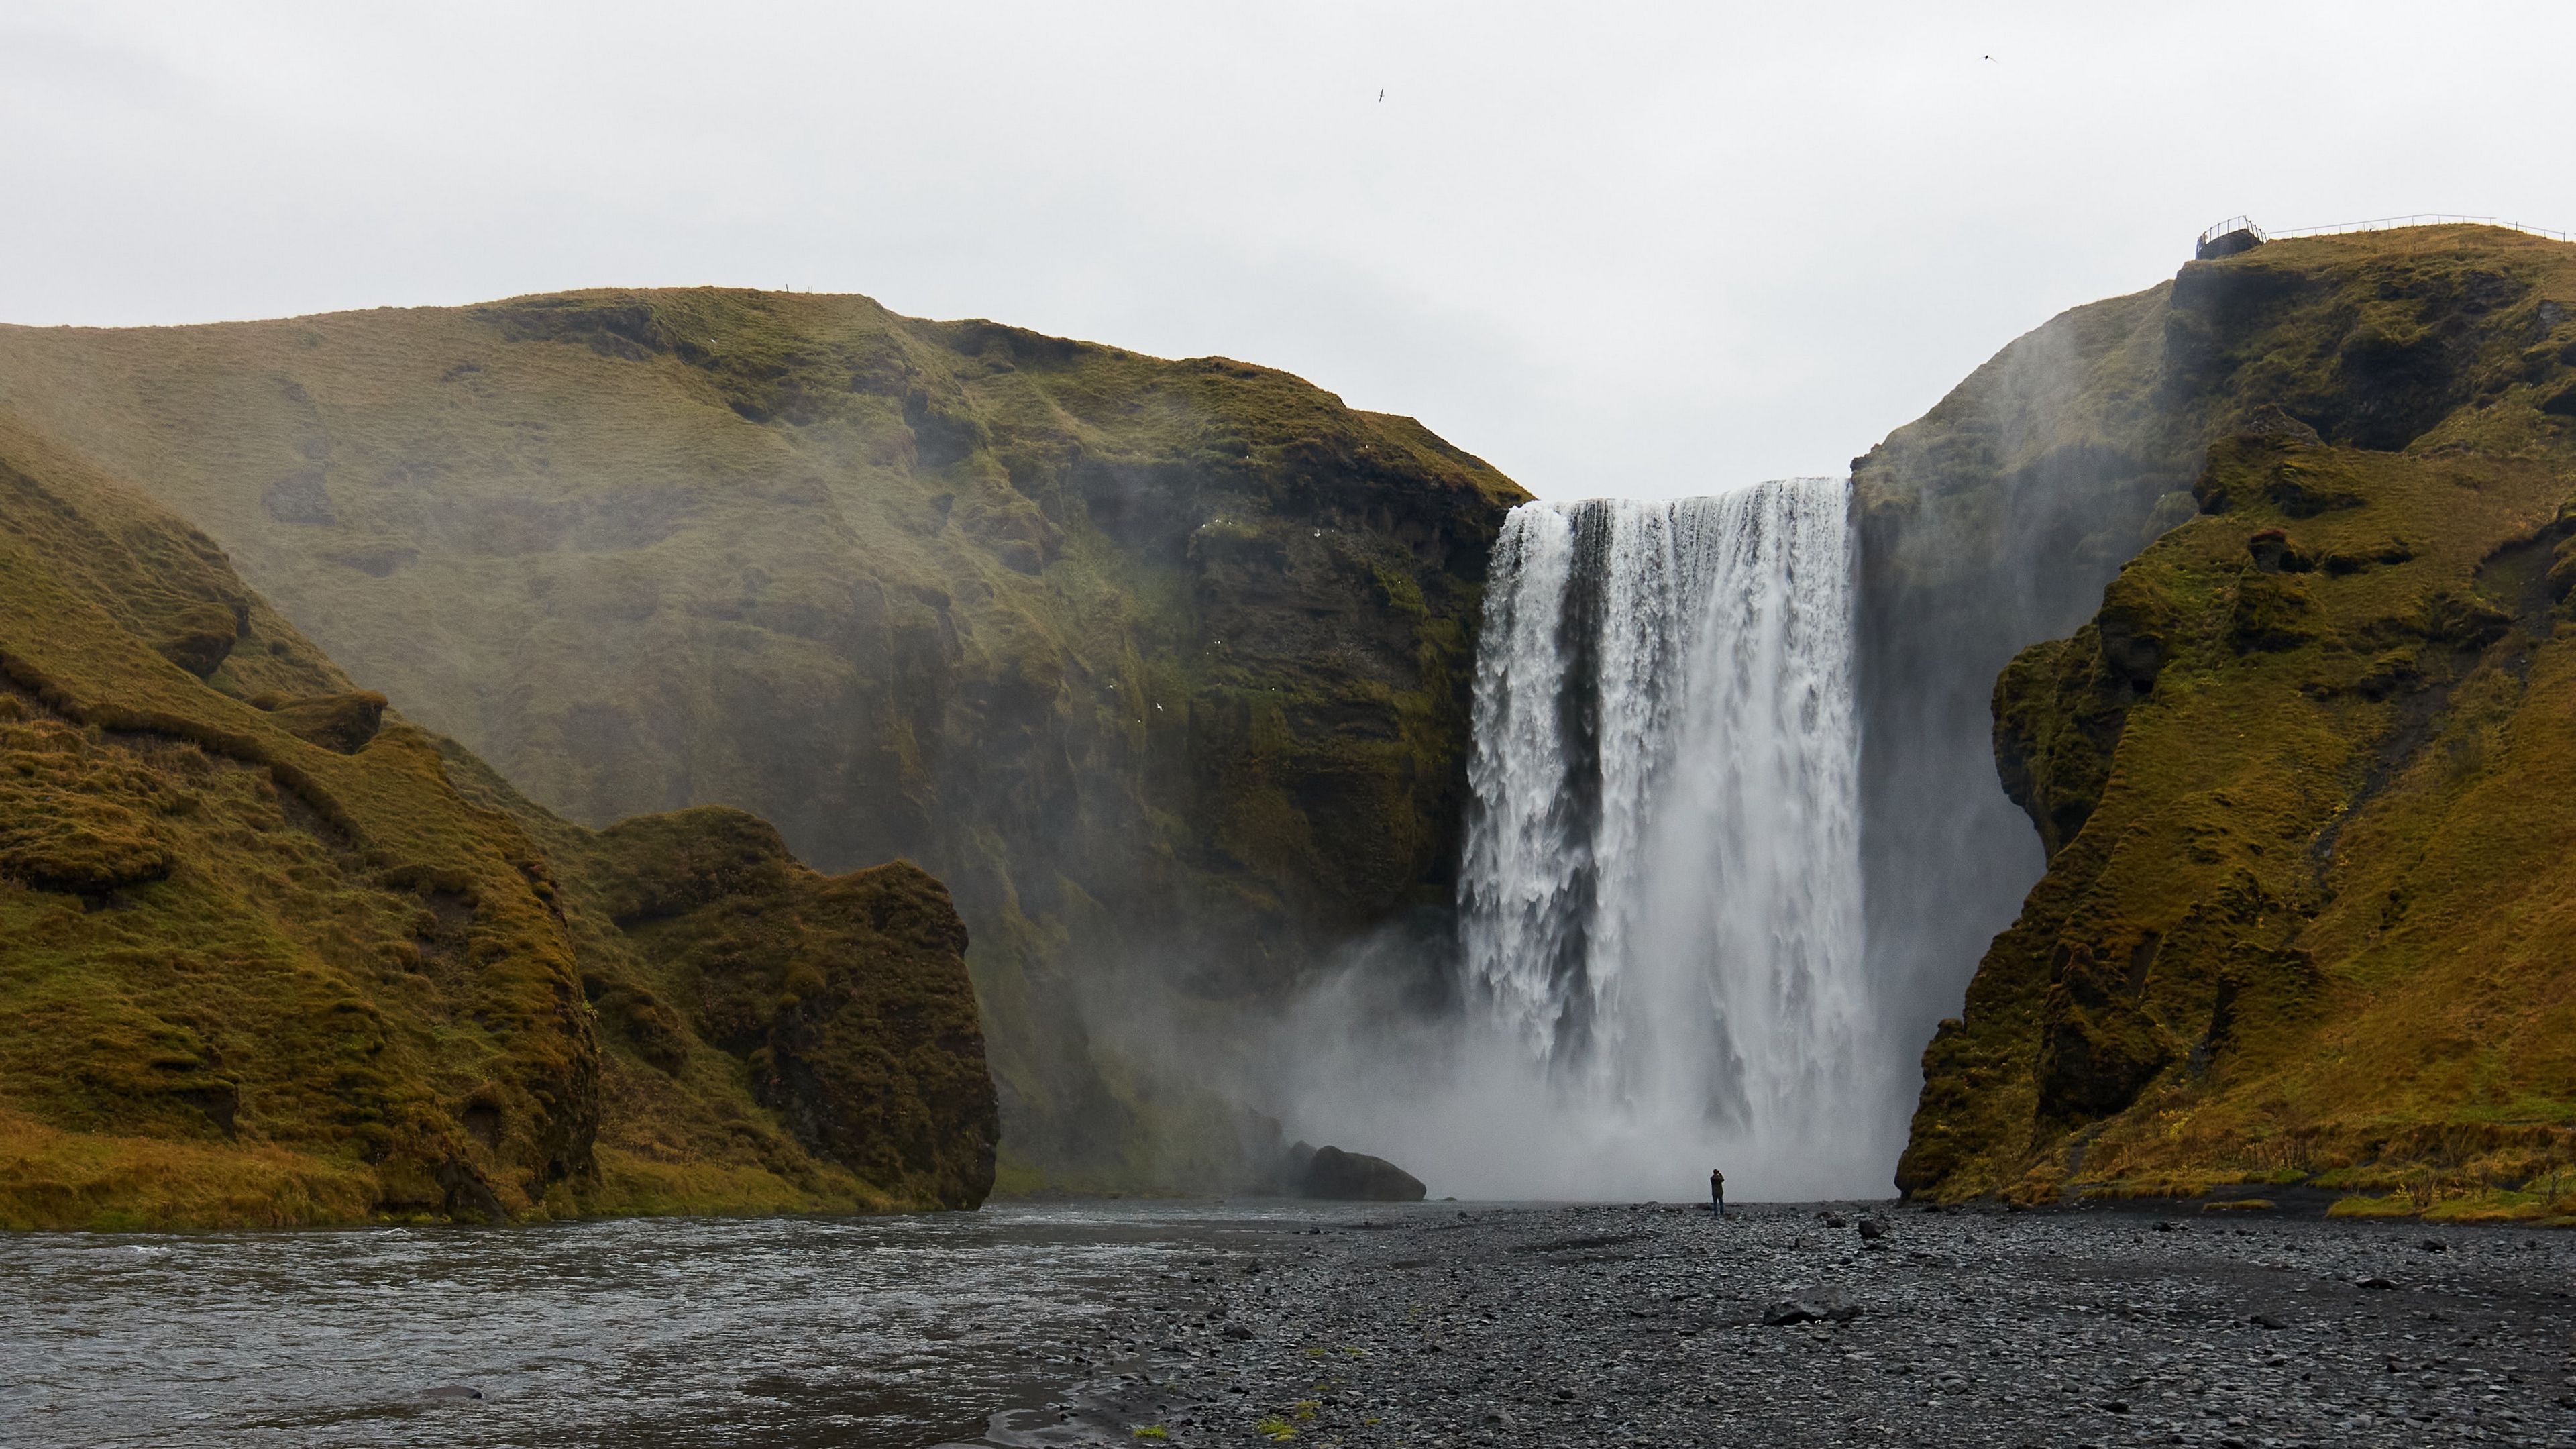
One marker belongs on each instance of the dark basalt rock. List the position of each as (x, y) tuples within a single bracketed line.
[(1795, 1311), (1332, 1174)]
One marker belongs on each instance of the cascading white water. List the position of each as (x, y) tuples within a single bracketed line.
[(1661, 901)]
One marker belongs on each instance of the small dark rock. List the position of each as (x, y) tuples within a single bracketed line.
[(452, 1391), (1783, 1315), (1834, 1220), (1872, 1229), (2165, 1227), (2373, 1281), (2265, 1320), (1237, 1332), (2435, 1245)]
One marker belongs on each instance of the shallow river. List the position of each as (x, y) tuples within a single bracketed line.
[(860, 1332)]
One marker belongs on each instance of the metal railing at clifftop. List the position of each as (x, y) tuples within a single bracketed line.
[(2232, 224), (2386, 223)]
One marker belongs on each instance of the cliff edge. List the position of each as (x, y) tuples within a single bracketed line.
[(2299, 779)]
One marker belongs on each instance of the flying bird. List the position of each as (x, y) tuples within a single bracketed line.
[(1381, 93)]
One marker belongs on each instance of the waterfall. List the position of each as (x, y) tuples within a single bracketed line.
[(1660, 898)]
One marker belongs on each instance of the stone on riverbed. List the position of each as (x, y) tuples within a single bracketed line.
[(1334, 1175), (1799, 1310)]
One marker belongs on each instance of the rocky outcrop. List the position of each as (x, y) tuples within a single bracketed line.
[(1162, 666), (2295, 778), (342, 722), (846, 997), (261, 963)]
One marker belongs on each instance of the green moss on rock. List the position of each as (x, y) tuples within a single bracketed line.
[(1163, 666), (261, 964), (2302, 918)]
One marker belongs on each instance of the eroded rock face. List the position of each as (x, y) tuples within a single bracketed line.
[(847, 997), (1996, 522), (1162, 666), (2305, 725)]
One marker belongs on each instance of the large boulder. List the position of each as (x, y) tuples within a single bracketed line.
[(1331, 1174)]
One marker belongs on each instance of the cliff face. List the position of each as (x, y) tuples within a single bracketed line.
[(262, 964), (1163, 666), (1992, 522), (2298, 776)]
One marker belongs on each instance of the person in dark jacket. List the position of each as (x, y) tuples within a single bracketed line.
[(1717, 1192)]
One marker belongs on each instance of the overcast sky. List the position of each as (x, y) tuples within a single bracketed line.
[(1638, 249)]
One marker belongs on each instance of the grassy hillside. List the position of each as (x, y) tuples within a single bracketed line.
[(2300, 776), (1163, 666), (261, 964)]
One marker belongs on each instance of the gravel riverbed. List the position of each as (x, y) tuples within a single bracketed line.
[(1661, 1325)]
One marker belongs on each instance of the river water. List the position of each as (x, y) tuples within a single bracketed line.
[(896, 1332)]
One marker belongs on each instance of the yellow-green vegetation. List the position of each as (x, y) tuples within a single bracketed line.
[(1162, 666), (714, 962), (262, 964), (2306, 779)]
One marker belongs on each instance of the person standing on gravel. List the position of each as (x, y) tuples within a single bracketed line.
[(1717, 1192)]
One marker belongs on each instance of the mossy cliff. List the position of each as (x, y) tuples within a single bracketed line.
[(2303, 779), (1162, 666), (261, 963)]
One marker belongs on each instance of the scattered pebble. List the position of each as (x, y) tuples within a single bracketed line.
[(1657, 1326)]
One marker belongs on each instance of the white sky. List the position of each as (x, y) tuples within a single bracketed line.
[(1641, 249)]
